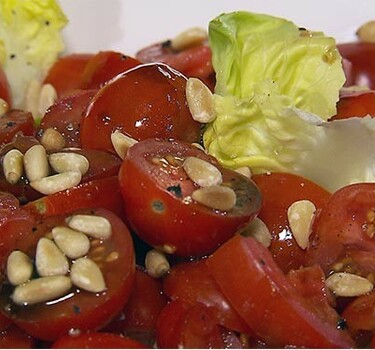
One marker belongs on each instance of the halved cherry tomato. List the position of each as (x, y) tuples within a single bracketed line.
[(4, 87), (15, 338), (65, 116), (263, 296), (279, 191), (157, 195), (79, 309), (13, 122), (96, 340), (191, 282), (345, 224), (103, 66), (356, 105), (66, 73), (146, 101)]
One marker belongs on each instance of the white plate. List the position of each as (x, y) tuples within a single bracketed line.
[(128, 26)]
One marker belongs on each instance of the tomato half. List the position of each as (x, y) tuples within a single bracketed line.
[(262, 295), (78, 309), (146, 101), (279, 191), (157, 196), (15, 338), (13, 122)]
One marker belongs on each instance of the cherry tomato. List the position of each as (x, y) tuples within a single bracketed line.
[(192, 283), (66, 73), (279, 191), (362, 58), (96, 340), (78, 309), (144, 102), (65, 116), (263, 296), (356, 105), (15, 338), (4, 87), (103, 66), (13, 122), (157, 196), (344, 224)]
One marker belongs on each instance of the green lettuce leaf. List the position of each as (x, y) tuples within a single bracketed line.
[(30, 41)]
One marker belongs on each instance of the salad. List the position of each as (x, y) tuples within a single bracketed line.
[(212, 190)]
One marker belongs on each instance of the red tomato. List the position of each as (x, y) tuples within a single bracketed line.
[(4, 87), (146, 101), (13, 122), (104, 66), (345, 224), (66, 73), (15, 338), (79, 309), (96, 340), (65, 116), (356, 105), (138, 319), (192, 283), (362, 58), (156, 192), (279, 191), (263, 296), (181, 325)]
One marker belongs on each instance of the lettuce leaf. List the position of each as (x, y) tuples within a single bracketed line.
[(30, 41)]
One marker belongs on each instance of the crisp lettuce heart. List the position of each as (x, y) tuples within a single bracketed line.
[(30, 41)]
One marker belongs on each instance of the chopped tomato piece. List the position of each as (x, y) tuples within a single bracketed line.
[(356, 105), (13, 122), (15, 338), (4, 87)]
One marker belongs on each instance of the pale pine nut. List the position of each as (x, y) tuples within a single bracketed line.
[(215, 197), (32, 97), (92, 225), (62, 162), (121, 143), (56, 183), (300, 216), (200, 101), (245, 171), (47, 98), (189, 38), (49, 260), (36, 163), (72, 243), (19, 268), (344, 284), (258, 230), (52, 139), (202, 172), (199, 146), (156, 263), (13, 166), (41, 290), (4, 107), (86, 274), (366, 32)]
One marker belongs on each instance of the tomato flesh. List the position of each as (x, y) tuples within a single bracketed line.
[(13, 122), (356, 105)]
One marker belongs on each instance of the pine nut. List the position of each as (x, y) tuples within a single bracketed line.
[(199, 146), (121, 143), (86, 274), (49, 260), (41, 290), (56, 183), (36, 163), (32, 97), (92, 225), (52, 139), (4, 107), (258, 230), (200, 101), (300, 216), (62, 162), (366, 32), (47, 98), (245, 171), (215, 197), (72, 243), (13, 166), (201, 172), (156, 263), (189, 38), (19, 268), (348, 285)]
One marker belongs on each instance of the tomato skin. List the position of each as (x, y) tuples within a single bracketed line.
[(192, 283), (13, 122), (153, 194), (144, 102), (279, 191), (96, 340), (66, 73), (84, 311), (15, 338), (271, 306), (356, 105), (4, 87)]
